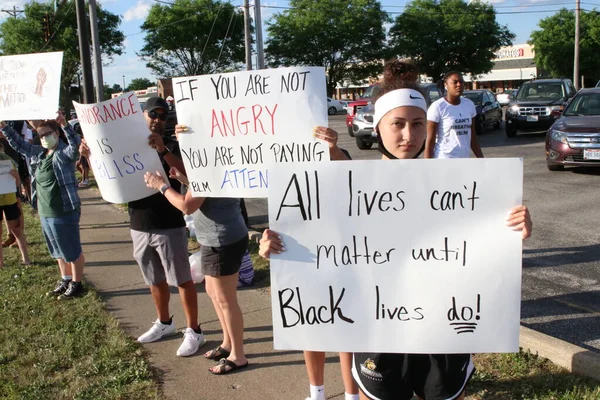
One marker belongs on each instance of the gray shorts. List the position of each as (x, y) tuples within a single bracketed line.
[(162, 254)]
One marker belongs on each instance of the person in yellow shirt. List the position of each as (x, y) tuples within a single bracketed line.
[(9, 209)]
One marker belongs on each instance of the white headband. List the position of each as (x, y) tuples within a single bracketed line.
[(397, 98)]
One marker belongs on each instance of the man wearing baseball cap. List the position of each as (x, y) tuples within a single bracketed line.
[(160, 241)]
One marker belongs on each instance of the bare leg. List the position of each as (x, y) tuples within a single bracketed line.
[(315, 367), (15, 228), (226, 294), (346, 366), (210, 290), (363, 396), (64, 267), (161, 297), (189, 299), (77, 267)]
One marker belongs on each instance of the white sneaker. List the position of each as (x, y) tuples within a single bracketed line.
[(192, 341), (158, 331)]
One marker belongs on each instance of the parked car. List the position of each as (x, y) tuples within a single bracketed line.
[(362, 124), (334, 106), (505, 97), (346, 103), (489, 111), (574, 139), (537, 105), (357, 105), (598, 84)]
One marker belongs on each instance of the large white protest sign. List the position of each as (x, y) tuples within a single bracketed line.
[(30, 86), (117, 135), (404, 256), (243, 124), (7, 182)]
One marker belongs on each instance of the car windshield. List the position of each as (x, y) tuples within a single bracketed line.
[(541, 91), (371, 92), (475, 97), (584, 104)]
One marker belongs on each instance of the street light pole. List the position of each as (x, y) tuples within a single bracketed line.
[(576, 61), (247, 34), (97, 51), (260, 52), (123, 83), (84, 52)]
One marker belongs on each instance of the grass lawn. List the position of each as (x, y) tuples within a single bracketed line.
[(62, 350)]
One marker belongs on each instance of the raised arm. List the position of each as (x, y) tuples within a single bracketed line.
[(72, 150), (16, 142)]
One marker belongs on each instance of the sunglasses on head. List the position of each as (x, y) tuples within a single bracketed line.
[(154, 115)]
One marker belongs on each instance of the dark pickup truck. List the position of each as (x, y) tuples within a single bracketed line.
[(537, 105)]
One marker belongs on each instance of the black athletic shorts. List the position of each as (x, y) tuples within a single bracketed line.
[(400, 376), (11, 212), (224, 260)]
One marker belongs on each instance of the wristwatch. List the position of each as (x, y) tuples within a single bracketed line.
[(164, 152), (164, 188)]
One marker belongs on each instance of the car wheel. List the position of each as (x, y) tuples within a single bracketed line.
[(510, 132), (363, 145), (332, 110), (350, 131), (556, 167)]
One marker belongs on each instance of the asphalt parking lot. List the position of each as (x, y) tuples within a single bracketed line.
[(561, 261)]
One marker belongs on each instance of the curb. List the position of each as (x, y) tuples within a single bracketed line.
[(574, 358)]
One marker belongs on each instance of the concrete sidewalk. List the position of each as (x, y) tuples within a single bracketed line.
[(112, 270)]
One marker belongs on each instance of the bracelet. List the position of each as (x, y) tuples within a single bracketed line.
[(164, 152), (164, 188)]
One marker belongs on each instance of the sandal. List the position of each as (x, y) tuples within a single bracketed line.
[(226, 366), (216, 354)]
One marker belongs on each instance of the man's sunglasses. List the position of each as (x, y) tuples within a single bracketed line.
[(154, 115)]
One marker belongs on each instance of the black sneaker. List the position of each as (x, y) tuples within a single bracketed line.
[(61, 287), (75, 289)]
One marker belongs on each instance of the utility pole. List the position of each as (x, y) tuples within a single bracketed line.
[(14, 12), (84, 52), (97, 51), (260, 52), (576, 61), (248, 34)]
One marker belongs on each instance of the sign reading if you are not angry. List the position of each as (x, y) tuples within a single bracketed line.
[(243, 124), (117, 134), (404, 256)]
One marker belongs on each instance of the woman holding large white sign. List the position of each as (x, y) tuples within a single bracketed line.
[(59, 206), (223, 237), (400, 122)]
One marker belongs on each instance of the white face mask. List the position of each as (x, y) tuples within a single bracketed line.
[(49, 142)]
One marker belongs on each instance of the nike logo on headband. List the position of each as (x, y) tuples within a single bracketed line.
[(414, 98)]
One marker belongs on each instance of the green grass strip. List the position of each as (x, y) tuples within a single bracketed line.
[(62, 350)]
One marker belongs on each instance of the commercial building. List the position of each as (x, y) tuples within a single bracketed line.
[(513, 65)]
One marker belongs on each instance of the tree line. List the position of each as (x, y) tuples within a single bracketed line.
[(349, 38)]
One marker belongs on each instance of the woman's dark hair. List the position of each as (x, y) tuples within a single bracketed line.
[(50, 124), (449, 74), (55, 126), (399, 74)]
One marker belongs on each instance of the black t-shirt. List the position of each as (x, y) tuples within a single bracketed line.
[(155, 212)]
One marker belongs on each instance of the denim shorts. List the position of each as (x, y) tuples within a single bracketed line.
[(62, 236)]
